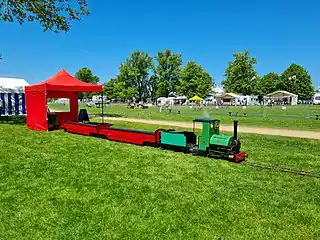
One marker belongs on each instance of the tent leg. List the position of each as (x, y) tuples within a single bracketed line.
[(102, 107)]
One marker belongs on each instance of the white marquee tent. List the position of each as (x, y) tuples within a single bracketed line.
[(12, 96), (283, 97)]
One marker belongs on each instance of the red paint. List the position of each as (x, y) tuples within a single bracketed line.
[(61, 85), (80, 128), (240, 156), (114, 134), (128, 136)]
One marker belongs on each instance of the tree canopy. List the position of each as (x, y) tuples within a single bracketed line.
[(54, 15), (240, 74), (135, 72), (116, 89), (297, 80), (194, 81), (86, 75), (144, 77), (167, 72), (268, 83)]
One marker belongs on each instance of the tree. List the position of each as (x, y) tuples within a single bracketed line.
[(167, 72), (109, 88), (240, 74), (86, 75), (194, 81), (297, 80), (268, 83), (135, 72), (54, 15), (117, 89), (152, 87)]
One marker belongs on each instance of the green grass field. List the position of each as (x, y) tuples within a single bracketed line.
[(275, 116), (299, 153), (61, 186)]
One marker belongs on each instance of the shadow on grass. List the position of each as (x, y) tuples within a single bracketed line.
[(13, 120), (106, 115)]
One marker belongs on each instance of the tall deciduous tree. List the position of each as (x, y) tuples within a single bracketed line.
[(194, 81), (135, 71), (167, 72), (117, 89), (268, 83), (297, 80), (86, 75), (240, 74), (152, 87), (110, 89), (54, 15)]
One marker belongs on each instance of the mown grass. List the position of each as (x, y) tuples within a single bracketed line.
[(296, 153), (276, 117), (62, 186)]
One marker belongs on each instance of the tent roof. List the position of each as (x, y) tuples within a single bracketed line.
[(63, 81), (8, 84), (196, 98), (229, 95), (280, 93), (217, 89)]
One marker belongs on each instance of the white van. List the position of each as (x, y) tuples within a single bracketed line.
[(316, 98)]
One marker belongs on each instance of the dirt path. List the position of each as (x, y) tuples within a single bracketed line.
[(243, 129)]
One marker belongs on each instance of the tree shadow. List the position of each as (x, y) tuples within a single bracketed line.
[(13, 120)]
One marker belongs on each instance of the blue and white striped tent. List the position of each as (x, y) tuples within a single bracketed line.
[(12, 96)]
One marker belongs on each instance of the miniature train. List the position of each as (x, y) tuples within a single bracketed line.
[(210, 143)]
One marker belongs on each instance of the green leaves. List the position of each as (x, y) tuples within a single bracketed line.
[(194, 81), (116, 89), (297, 80), (53, 15), (135, 72), (139, 77), (241, 76), (268, 83), (167, 72), (86, 75)]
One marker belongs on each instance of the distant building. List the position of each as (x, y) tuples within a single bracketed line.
[(12, 96)]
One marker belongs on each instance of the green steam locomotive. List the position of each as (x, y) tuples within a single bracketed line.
[(210, 143)]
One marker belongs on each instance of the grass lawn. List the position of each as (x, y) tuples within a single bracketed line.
[(299, 153), (294, 117), (57, 185)]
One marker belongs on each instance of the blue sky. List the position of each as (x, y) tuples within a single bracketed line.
[(277, 33)]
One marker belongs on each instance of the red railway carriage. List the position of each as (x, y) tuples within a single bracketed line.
[(80, 128), (114, 134), (129, 135)]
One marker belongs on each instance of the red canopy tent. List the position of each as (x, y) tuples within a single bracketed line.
[(61, 85)]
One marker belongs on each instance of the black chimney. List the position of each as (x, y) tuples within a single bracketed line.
[(235, 129)]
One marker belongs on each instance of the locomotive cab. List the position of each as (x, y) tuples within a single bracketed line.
[(210, 127), (212, 143)]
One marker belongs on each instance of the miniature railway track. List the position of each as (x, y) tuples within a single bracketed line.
[(284, 170)]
